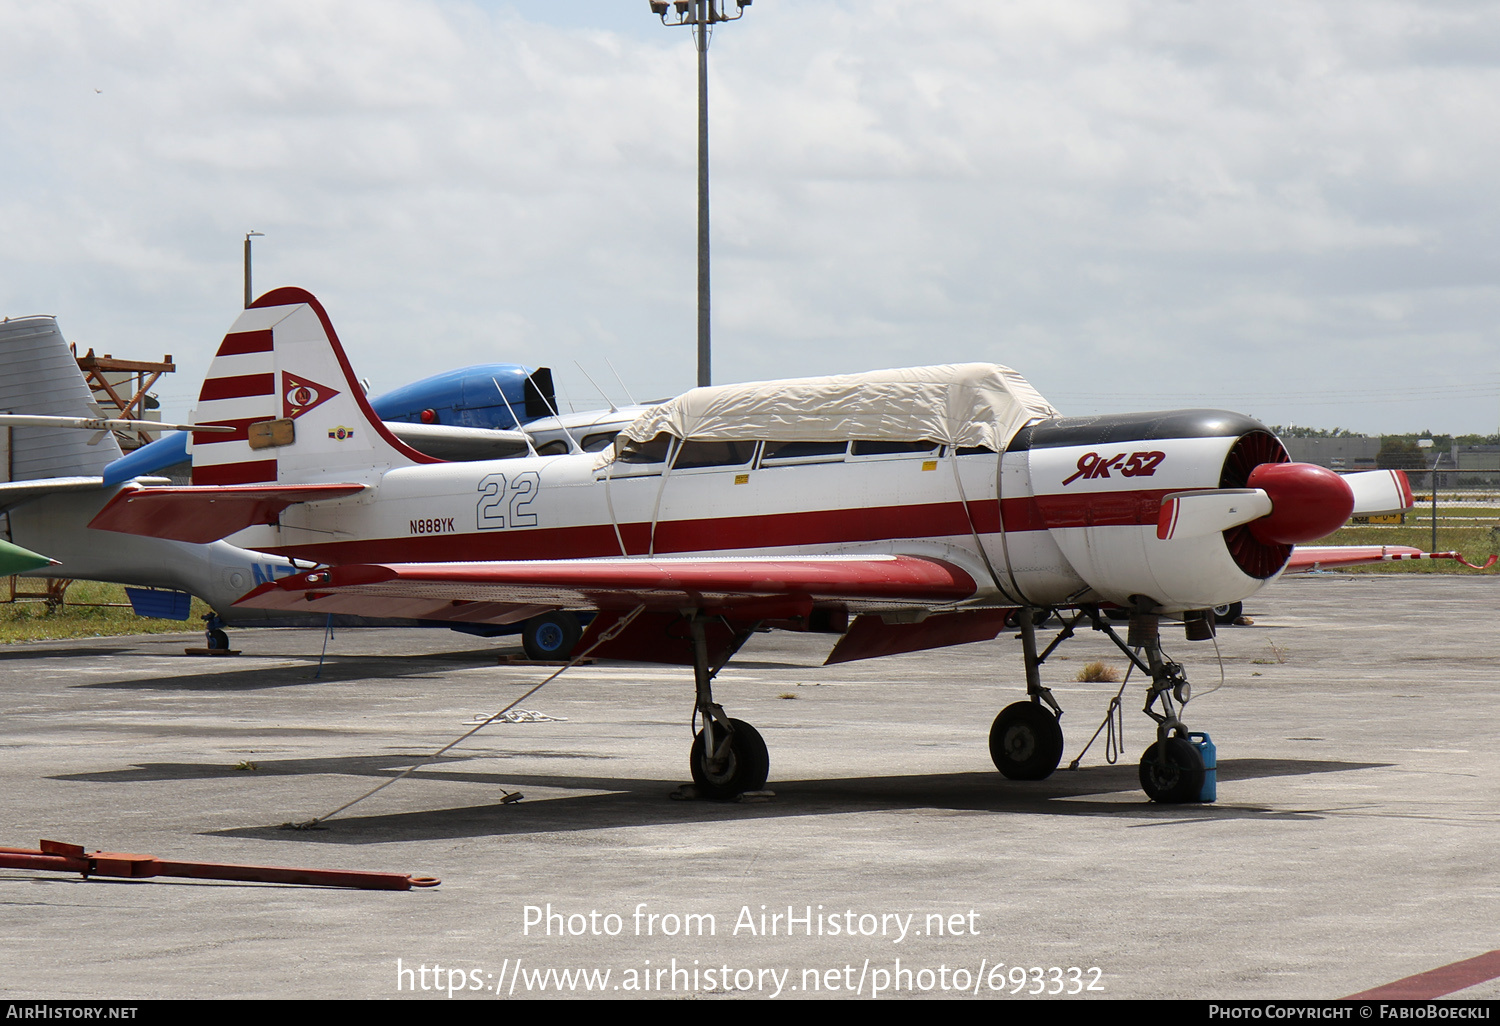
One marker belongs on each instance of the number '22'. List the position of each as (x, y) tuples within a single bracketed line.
[(497, 502)]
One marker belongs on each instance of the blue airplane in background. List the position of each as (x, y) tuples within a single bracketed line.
[(471, 413)]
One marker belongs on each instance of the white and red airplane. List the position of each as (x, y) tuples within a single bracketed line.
[(904, 510)]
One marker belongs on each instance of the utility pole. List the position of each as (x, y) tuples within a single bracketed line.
[(701, 16), (248, 294)]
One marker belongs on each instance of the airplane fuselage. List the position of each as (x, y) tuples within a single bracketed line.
[(1069, 513)]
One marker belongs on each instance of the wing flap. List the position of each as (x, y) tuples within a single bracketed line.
[(200, 514), (871, 636), (1209, 511)]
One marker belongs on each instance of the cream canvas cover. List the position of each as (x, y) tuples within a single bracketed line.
[(965, 404)]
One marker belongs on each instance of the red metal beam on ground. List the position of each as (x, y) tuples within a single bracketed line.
[(59, 857)]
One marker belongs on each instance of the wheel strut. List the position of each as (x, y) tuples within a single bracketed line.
[(1026, 741), (1172, 769), (728, 756)]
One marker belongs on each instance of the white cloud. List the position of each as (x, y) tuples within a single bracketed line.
[(1163, 202)]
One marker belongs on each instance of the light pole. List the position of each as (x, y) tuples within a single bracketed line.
[(702, 15), (248, 295)]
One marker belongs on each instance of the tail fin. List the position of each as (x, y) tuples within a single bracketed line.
[(282, 381), (42, 377)]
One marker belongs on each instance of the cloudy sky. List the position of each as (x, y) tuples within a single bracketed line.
[(1283, 208)]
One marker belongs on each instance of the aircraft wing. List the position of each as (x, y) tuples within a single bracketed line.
[(1307, 558), (738, 594), (501, 592)]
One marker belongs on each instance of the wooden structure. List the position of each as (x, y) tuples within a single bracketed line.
[(103, 376)]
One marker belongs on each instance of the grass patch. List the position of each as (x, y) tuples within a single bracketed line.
[(29, 620), (1099, 672), (1279, 655)]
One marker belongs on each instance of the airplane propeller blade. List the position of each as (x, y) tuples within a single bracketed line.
[(102, 424), (1209, 511), (1378, 492)]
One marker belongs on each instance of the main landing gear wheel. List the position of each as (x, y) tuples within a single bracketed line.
[(551, 636), (1226, 615), (1180, 780), (745, 768), (1026, 741)]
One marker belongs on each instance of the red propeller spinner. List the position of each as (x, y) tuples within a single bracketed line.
[(1307, 503)]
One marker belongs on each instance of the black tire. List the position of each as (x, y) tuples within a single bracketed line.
[(217, 639), (1117, 614), (1180, 780), (551, 636), (1226, 615), (748, 766), (1026, 741)]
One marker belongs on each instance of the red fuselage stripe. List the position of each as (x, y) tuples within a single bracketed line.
[(775, 530)]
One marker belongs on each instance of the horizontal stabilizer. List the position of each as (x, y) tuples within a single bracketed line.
[(13, 493), (1379, 491), (750, 588), (1210, 511), (204, 514)]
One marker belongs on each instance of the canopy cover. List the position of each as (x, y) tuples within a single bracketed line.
[(964, 404)]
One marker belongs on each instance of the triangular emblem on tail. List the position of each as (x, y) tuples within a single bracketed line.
[(298, 395)]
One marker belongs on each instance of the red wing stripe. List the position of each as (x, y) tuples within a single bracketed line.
[(238, 342), (238, 387)]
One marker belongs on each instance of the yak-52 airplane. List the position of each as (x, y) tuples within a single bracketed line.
[(903, 510)]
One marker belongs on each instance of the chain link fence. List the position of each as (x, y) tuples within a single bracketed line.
[(1456, 511)]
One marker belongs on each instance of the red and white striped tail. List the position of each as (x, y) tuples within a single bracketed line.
[(282, 381)]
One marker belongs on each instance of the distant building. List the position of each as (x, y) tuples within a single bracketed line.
[(1355, 452), (1479, 457)]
